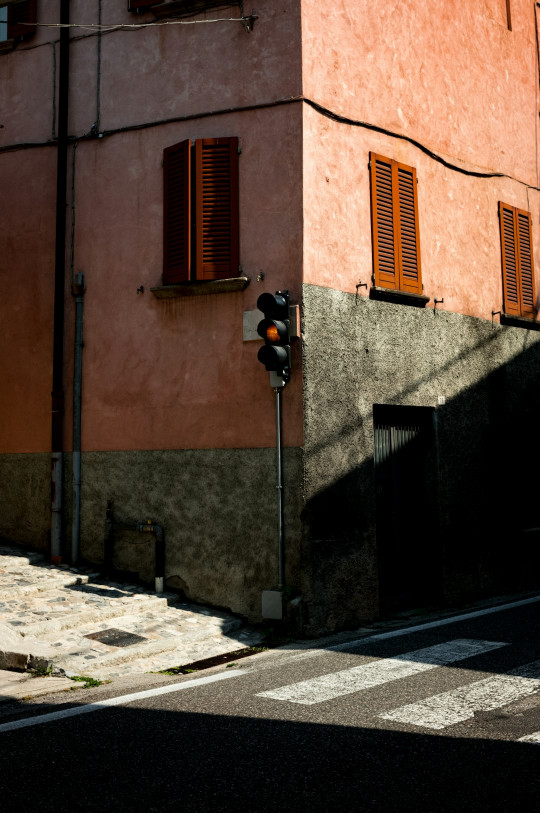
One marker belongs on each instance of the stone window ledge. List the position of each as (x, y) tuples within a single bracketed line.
[(519, 321), (399, 297), (201, 288)]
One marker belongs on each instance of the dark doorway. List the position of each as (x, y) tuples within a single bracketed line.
[(406, 486)]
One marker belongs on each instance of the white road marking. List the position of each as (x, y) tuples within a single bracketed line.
[(116, 701), (301, 653), (531, 738), (461, 704), (441, 622), (375, 673)]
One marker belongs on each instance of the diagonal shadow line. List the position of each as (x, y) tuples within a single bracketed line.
[(353, 427)]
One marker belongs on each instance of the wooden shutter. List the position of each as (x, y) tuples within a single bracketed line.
[(394, 220), (385, 262), (18, 15), (216, 200), (517, 261), (526, 265), (509, 259), (408, 243), (177, 213)]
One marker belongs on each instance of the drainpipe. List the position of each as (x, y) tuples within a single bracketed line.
[(59, 281), (77, 289)]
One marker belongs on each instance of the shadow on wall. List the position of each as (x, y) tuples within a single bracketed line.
[(443, 521)]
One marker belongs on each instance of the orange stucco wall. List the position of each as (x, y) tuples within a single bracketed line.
[(458, 218), (26, 301), (175, 373), (156, 374), (453, 78)]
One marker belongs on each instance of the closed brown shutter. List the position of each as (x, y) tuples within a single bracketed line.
[(19, 15), (177, 213), (409, 244), (517, 261), (216, 195), (385, 262), (394, 221), (526, 265)]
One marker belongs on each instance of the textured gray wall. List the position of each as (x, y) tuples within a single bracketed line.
[(218, 509), (358, 352), (25, 497)]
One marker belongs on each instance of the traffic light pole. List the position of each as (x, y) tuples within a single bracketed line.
[(275, 354), (281, 523)]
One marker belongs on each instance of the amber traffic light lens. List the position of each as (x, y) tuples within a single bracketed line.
[(272, 333)]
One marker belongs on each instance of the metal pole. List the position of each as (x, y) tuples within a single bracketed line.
[(78, 291), (281, 524), (59, 276)]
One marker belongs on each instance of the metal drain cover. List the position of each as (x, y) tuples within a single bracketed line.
[(114, 637)]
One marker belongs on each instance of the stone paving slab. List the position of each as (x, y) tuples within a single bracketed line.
[(21, 685), (68, 618)]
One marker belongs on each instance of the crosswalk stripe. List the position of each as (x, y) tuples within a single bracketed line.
[(375, 673), (531, 738), (461, 704)]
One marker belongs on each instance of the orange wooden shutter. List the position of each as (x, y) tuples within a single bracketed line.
[(177, 213), (410, 279), (394, 222), (510, 260), (526, 264), (216, 196), (18, 14), (383, 223)]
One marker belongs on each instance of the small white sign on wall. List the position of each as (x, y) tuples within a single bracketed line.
[(251, 320)]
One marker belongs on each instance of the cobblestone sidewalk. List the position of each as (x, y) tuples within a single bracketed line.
[(69, 619)]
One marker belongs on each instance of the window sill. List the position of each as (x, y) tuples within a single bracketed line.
[(519, 321), (201, 288), (399, 297)]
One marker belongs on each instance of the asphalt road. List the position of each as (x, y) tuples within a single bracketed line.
[(441, 719)]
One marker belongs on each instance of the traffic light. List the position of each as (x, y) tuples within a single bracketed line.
[(275, 329)]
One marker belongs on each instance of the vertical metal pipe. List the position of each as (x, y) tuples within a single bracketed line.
[(57, 420), (108, 556), (281, 523), (159, 566), (78, 289)]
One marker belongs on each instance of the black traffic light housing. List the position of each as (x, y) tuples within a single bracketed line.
[(275, 329)]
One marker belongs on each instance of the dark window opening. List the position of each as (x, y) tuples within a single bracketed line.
[(406, 489)]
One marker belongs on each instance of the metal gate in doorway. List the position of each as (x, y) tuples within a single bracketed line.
[(405, 478)]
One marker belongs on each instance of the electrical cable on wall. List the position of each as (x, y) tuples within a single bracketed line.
[(98, 27), (319, 108)]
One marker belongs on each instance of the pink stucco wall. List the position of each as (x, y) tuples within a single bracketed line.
[(450, 76), (458, 218), (175, 373), (447, 73), (156, 374), (26, 301)]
